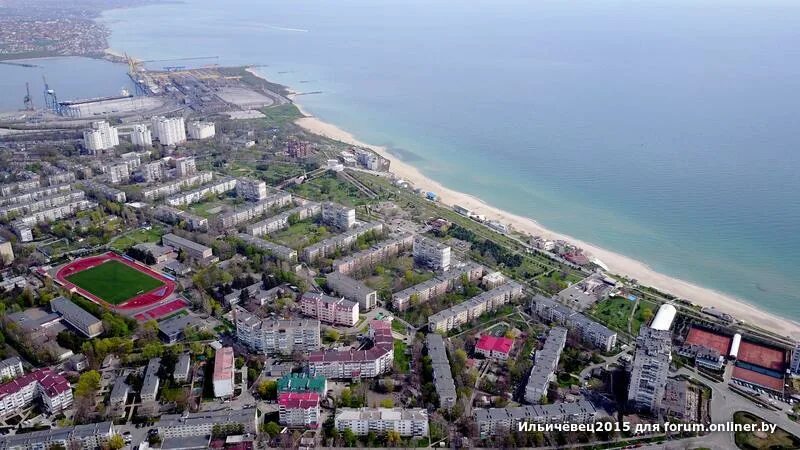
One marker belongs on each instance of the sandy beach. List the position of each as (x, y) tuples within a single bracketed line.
[(616, 263)]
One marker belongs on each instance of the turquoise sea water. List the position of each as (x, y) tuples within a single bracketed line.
[(665, 130)]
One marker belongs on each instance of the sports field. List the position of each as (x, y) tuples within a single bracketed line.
[(114, 281)]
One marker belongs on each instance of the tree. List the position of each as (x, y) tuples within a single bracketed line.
[(272, 429), (116, 442), (88, 384), (152, 350), (387, 403), (332, 335), (350, 439), (393, 438), (268, 390)]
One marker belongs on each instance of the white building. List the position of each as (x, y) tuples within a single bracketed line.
[(53, 390), (223, 372), (299, 409), (337, 311), (431, 253), (141, 136), (202, 423), (276, 336), (201, 130), (407, 422), (118, 173), (169, 131), (357, 364), (153, 171), (11, 367), (253, 190), (102, 136), (185, 166), (338, 216)]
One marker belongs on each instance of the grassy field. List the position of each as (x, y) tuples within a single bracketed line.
[(644, 312), (137, 237), (401, 361), (613, 312), (780, 439), (301, 234), (114, 281)]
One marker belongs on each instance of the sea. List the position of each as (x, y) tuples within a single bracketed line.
[(665, 130)]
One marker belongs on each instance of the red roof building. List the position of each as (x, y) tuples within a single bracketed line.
[(299, 409), (494, 347), (55, 390)]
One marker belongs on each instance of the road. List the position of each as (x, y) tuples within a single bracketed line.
[(607, 360)]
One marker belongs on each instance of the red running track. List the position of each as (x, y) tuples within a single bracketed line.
[(139, 301), (162, 310)]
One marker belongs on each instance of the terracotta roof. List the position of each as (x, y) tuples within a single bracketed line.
[(495, 344), (296, 400), (51, 383)]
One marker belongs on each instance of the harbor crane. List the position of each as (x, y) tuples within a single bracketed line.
[(28, 100)]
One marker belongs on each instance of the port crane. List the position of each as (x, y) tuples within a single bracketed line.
[(28, 100)]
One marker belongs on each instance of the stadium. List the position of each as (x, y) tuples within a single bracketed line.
[(115, 281)]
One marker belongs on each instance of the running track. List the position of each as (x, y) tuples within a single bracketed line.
[(139, 301)]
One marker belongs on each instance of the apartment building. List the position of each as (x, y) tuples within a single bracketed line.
[(338, 216), (193, 250), (20, 186), (281, 221), (301, 382), (494, 421), (442, 375), (650, 369), (119, 393), (169, 131), (185, 166), (277, 250), (102, 192), (223, 372), (333, 310), (141, 136), (181, 373), (89, 325), (215, 188), (89, 436), (362, 421), (151, 381), (22, 225), (329, 246), (473, 308), (591, 332), (352, 289), (173, 215), (250, 211), (251, 190), (42, 204), (172, 187), (437, 286), (101, 136), (369, 258), (431, 253), (202, 423), (11, 368), (545, 365), (52, 389), (357, 364), (118, 173), (34, 195), (299, 409), (152, 171), (201, 130), (272, 336)]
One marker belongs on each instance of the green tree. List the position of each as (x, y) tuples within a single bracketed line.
[(88, 384), (350, 439), (272, 429), (116, 442), (387, 403)]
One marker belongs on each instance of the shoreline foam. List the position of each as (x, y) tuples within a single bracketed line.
[(617, 263)]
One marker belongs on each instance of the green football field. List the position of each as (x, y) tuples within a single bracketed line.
[(114, 282)]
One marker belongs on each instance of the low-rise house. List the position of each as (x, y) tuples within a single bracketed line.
[(494, 347)]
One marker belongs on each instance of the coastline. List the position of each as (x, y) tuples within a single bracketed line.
[(617, 263)]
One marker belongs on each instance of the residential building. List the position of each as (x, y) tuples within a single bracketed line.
[(493, 421), (282, 220), (352, 289), (171, 330), (338, 216), (152, 171), (42, 204), (20, 186), (276, 336), (442, 375), (6, 252), (473, 308), (172, 187), (100, 137), (89, 436), (545, 365), (151, 381), (337, 311), (224, 184), (118, 173), (437, 286), (34, 194), (278, 251), (493, 280), (52, 389), (706, 357), (250, 189), (185, 166), (367, 259), (299, 409), (329, 246), (102, 192), (202, 423), (362, 421), (119, 394), (591, 332), (141, 136), (173, 215), (357, 364), (650, 369), (23, 225), (201, 130), (11, 283), (431, 253), (223, 372), (250, 211), (193, 250), (181, 373), (494, 347), (11, 368), (89, 325), (301, 382), (169, 131), (794, 366)]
